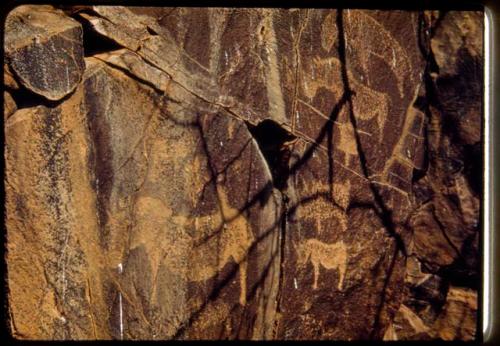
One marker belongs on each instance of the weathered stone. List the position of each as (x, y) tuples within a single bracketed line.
[(52, 254), (9, 105), (45, 50), (251, 174), (9, 80), (457, 321), (454, 321), (452, 184), (211, 209)]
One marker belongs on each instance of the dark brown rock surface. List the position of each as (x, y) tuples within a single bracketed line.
[(244, 174), (45, 50)]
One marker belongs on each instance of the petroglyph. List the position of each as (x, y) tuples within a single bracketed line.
[(361, 28), (398, 154), (201, 218), (341, 193), (329, 32), (347, 142), (340, 198), (316, 210), (233, 242), (219, 238), (367, 103), (329, 256)]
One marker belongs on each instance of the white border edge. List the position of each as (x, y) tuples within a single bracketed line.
[(488, 156)]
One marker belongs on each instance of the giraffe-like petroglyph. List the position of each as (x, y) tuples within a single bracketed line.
[(329, 256), (235, 238), (398, 154), (220, 238), (329, 31)]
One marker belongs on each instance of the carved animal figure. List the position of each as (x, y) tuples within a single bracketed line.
[(329, 256), (367, 102), (233, 242), (361, 28), (220, 238)]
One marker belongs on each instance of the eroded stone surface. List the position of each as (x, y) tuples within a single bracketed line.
[(160, 235), (9, 80), (9, 105), (252, 174), (44, 48)]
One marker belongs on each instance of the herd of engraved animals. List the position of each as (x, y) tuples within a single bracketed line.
[(236, 236)]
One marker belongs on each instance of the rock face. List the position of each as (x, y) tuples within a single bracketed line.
[(242, 173), (44, 48)]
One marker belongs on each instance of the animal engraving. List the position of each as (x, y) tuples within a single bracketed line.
[(347, 141), (233, 242), (323, 210), (360, 29), (341, 193), (367, 103), (329, 256), (398, 154), (219, 238), (329, 31)]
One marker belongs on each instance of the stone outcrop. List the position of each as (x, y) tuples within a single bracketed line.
[(44, 48), (213, 173)]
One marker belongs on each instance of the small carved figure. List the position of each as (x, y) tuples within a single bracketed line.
[(330, 256)]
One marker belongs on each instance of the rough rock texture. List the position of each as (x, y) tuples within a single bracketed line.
[(44, 48), (9, 105), (244, 174)]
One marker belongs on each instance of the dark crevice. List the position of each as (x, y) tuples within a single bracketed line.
[(273, 141), (25, 98), (421, 104), (473, 166), (281, 282), (93, 42), (151, 31), (100, 159), (275, 144), (463, 271)]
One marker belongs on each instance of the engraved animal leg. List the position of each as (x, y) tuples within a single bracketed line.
[(346, 159), (316, 274), (342, 269), (381, 124), (243, 282)]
